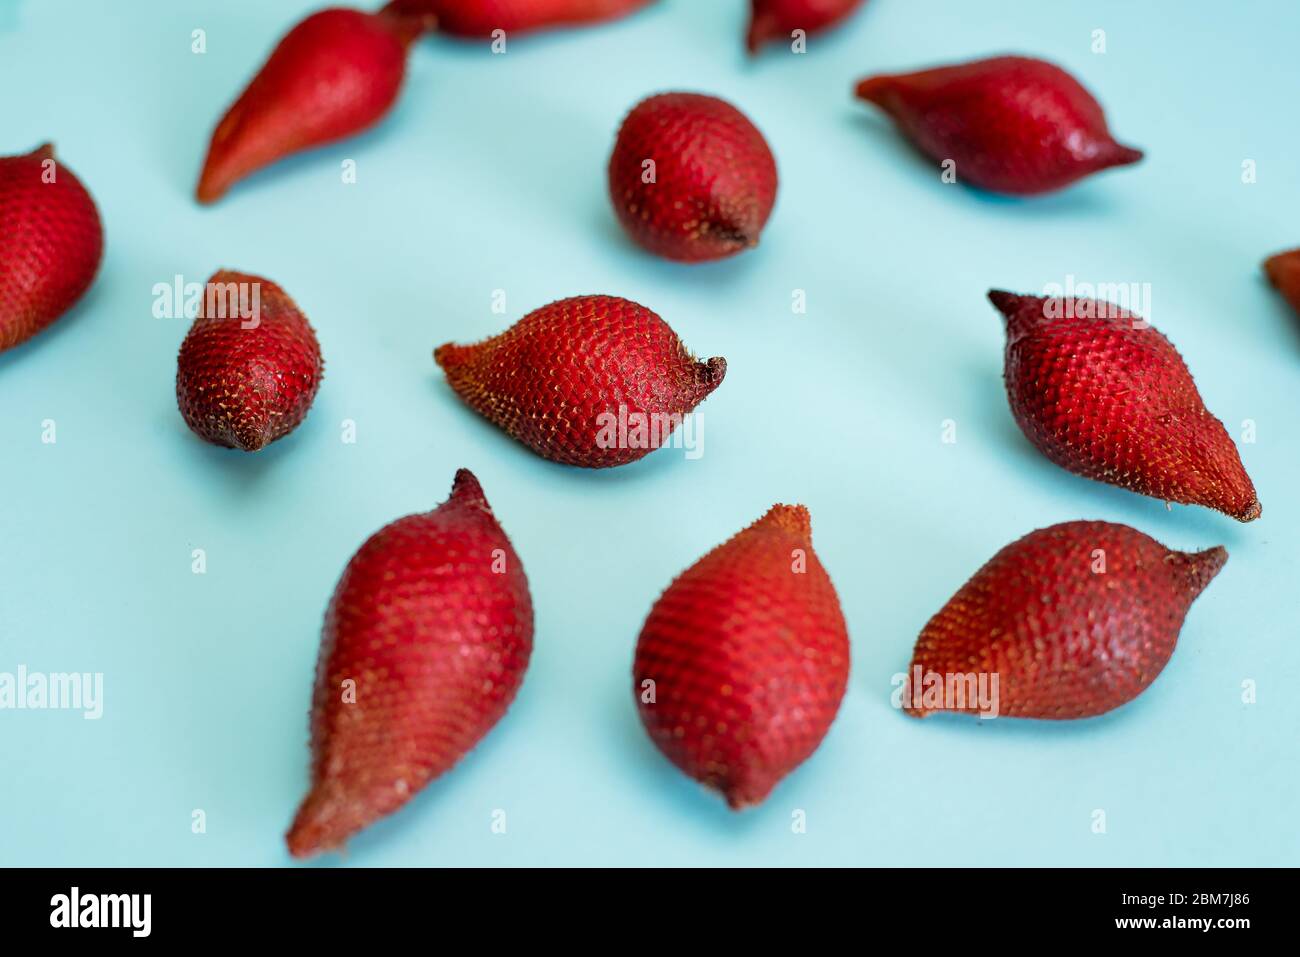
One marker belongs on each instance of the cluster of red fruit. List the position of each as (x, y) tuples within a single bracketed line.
[(742, 662)]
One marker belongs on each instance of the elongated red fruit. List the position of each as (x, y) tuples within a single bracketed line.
[(425, 644), (250, 365), (1011, 124), (333, 75), (51, 243), (772, 20), (1073, 620), (743, 660), (1103, 394), (691, 178), (479, 18), (593, 381), (1283, 271)]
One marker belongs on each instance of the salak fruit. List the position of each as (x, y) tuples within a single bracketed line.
[(51, 242), (1010, 124), (691, 178), (333, 75), (250, 365), (479, 18), (1103, 394), (425, 644), (593, 381), (778, 19), (1283, 271), (743, 660), (1073, 620)]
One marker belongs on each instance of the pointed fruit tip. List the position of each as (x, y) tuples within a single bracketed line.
[(1122, 155), (465, 487), (1275, 266), (761, 29), (1199, 568), (794, 519), (874, 89), (1007, 303), (43, 152), (1251, 512)]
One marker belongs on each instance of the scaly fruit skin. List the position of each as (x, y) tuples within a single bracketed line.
[(1012, 124), (1075, 620), (244, 388), (1104, 395), (714, 177), (1283, 271), (562, 378), (432, 622), (479, 18), (776, 19), (749, 656), (51, 243), (333, 75)]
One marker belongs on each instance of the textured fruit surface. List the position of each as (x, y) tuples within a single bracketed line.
[(749, 658), (1075, 620), (1103, 394), (478, 18), (51, 242), (1283, 271), (691, 178), (775, 20), (425, 645), (244, 382), (570, 379), (1011, 124), (334, 74)]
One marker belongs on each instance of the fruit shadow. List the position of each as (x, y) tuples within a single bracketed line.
[(1080, 197), (238, 470), (714, 278), (954, 725), (646, 770)]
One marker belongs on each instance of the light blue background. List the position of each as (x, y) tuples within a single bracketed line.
[(490, 175)]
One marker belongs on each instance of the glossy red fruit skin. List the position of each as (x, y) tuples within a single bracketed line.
[(1065, 639), (772, 20), (1283, 271), (714, 177), (333, 75), (433, 622), (1104, 395), (51, 243), (553, 379), (479, 18), (244, 388), (1012, 124), (749, 659)]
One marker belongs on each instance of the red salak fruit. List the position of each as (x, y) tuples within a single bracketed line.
[(777, 19), (593, 381), (333, 75), (51, 242), (1074, 620), (743, 660), (691, 178), (250, 365), (1283, 271), (1103, 394), (425, 644), (1011, 124), (479, 18)]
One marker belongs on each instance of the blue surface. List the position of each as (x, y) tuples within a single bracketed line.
[(490, 175)]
